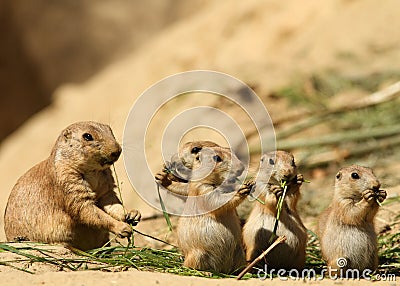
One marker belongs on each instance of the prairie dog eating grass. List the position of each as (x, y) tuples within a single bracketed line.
[(276, 167), (211, 240)]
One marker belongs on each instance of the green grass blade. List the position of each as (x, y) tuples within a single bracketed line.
[(15, 267), (257, 199), (281, 200), (166, 215), (278, 212)]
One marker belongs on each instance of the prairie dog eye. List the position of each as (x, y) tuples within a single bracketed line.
[(195, 150), (217, 158), (87, 137), (338, 175), (271, 162), (355, 176)]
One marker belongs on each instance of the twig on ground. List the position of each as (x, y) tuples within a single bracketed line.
[(279, 240), (340, 137), (389, 93), (320, 157)]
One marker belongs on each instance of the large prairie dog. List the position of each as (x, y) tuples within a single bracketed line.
[(212, 241), (69, 198), (259, 227), (346, 228)]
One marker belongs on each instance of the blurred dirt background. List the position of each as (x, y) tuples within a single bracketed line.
[(66, 61)]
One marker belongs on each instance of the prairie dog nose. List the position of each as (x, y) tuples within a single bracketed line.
[(115, 155), (286, 175)]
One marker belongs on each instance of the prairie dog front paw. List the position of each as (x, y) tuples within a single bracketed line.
[(133, 217)]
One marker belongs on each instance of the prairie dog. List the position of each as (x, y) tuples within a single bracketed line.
[(346, 228), (68, 198), (212, 240), (259, 226)]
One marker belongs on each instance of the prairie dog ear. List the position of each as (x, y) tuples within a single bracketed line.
[(339, 176), (67, 134)]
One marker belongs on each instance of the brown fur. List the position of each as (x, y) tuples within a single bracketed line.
[(181, 165), (259, 226), (188, 152), (68, 198), (180, 168), (212, 241), (346, 228)]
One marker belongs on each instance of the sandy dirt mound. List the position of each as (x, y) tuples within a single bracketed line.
[(48, 44)]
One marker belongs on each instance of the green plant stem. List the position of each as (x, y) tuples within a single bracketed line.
[(119, 188), (166, 215), (257, 199), (155, 238), (278, 211)]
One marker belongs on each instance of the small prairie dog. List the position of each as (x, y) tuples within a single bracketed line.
[(346, 228), (275, 167), (69, 198), (212, 240)]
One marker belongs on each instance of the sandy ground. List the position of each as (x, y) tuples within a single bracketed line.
[(263, 43), (146, 278)]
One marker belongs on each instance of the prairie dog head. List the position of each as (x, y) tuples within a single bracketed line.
[(87, 146), (215, 166), (352, 181), (190, 150), (182, 162), (279, 165)]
